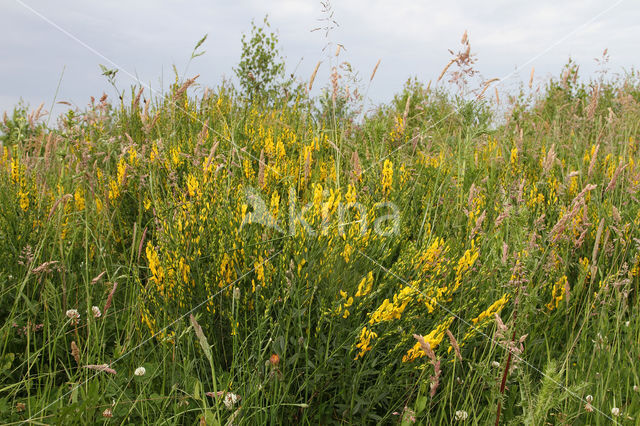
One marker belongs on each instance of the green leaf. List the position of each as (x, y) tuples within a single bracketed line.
[(197, 387), (6, 361)]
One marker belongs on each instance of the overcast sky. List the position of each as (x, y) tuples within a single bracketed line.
[(41, 38)]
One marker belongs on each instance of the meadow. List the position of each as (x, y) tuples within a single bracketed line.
[(201, 256)]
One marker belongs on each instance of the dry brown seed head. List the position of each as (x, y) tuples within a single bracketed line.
[(374, 70), (531, 77), (75, 352), (313, 76)]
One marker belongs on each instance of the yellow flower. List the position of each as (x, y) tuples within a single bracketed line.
[(488, 313), (433, 338), (514, 156), (133, 156), (78, 198), (317, 197), (275, 204), (398, 128), (259, 268), (387, 176), (18, 178), (154, 152), (269, 147), (431, 259), (5, 155), (346, 253), (465, 263), (193, 186), (24, 199), (157, 271), (635, 269), (348, 302), (393, 310), (248, 169), (175, 157), (365, 285), (365, 342), (573, 186), (226, 272), (557, 294), (584, 262), (280, 151), (492, 309), (114, 190), (184, 269), (15, 170), (350, 196), (122, 168), (404, 174)]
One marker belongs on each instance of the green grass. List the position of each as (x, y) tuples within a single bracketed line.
[(479, 215)]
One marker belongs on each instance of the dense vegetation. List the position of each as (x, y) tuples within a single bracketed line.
[(254, 256)]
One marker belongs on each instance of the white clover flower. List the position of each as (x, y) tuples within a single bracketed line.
[(615, 411), (461, 415), (636, 388), (495, 364), (73, 315), (230, 400), (140, 371), (96, 312), (588, 407)]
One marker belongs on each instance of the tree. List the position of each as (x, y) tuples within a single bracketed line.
[(261, 67)]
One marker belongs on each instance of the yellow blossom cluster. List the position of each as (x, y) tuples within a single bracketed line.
[(391, 310), (364, 342), (387, 176), (486, 316), (433, 339), (557, 293)]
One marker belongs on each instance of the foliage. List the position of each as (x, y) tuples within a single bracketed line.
[(18, 128), (265, 263), (261, 70)]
